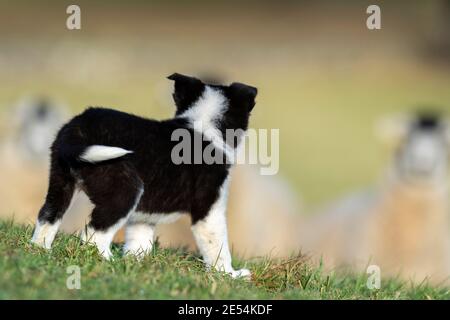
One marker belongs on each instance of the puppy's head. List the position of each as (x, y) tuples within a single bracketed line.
[(223, 106)]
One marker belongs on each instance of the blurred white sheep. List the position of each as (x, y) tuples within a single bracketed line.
[(402, 225), (29, 127)]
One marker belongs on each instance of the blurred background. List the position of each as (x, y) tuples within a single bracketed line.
[(324, 79)]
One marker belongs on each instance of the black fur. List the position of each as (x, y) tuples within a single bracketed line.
[(114, 185)]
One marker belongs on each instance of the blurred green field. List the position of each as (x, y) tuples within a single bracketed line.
[(327, 139), (323, 78)]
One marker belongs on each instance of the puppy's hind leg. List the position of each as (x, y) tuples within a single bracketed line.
[(211, 236), (115, 191), (59, 195)]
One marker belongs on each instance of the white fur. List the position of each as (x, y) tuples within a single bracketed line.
[(212, 238), (44, 233), (204, 114), (99, 153), (139, 239)]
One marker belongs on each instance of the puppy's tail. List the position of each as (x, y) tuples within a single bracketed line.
[(98, 153), (93, 153)]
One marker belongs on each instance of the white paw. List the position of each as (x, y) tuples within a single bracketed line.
[(44, 234), (86, 235), (106, 254), (41, 243), (89, 237), (242, 273), (139, 253)]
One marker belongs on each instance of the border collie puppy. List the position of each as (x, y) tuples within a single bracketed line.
[(124, 164)]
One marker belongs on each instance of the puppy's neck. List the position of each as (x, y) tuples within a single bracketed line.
[(206, 113), (205, 116)]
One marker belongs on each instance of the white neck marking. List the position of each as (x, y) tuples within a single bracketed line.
[(205, 114)]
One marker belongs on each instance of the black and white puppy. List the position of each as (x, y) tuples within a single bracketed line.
[(124, 164)]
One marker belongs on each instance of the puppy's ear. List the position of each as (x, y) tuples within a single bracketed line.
[(392, 130), (187, 91), (179, 77), (243, 95)]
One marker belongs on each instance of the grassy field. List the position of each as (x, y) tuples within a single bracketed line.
[(33, 273)]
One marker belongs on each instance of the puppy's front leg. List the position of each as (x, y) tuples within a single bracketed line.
[(139, 239), (211, 236)]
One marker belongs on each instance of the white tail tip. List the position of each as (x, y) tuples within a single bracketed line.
[(100, 153)]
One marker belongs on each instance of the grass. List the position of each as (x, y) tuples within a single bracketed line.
[(28, 272)]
